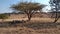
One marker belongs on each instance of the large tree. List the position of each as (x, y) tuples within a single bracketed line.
[(28, 8), (55, 7)]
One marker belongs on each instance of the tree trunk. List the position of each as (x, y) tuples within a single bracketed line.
[(29, 17), (56, 19)]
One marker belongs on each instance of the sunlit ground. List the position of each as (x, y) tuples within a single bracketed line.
[(35, 19)]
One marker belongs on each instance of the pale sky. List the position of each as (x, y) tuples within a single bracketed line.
[(5, 4)]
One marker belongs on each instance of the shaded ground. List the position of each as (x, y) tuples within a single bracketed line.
[(29, 25), (21, 27)]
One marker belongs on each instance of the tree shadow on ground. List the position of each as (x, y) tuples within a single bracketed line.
[(36, 25), (11, 23), (41, 25)]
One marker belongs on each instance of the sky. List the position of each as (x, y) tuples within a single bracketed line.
[(6, 4)]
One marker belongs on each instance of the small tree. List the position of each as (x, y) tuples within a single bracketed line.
[(3, 16), (55, 7), (27, 8)]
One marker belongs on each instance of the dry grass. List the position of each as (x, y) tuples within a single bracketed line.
[(28, 30), (33, 19), (25, 30)]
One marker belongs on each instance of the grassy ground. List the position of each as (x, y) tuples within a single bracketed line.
[(30, 28), (25, 30), (34, 19), (35, 26)]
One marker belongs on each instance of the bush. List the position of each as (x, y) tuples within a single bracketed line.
[(3, 16)]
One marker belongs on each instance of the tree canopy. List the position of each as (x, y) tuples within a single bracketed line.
[(23, 6)]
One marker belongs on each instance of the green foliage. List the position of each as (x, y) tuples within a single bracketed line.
[(3, 16), (24, 6)]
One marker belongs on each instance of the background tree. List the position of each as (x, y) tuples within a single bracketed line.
[(28, 8), (55, 7)]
